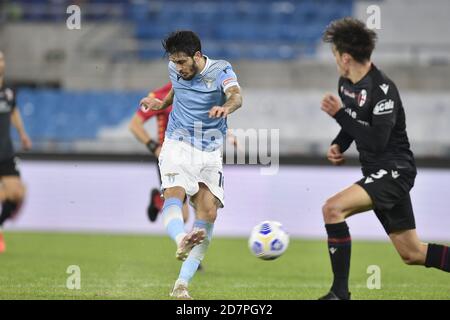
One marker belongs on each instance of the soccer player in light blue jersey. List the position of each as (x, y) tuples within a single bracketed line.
[(204, 92)]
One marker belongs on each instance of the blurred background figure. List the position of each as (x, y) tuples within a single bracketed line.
[(12, 190)]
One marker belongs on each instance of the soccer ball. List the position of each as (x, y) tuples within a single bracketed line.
[(268, 240)]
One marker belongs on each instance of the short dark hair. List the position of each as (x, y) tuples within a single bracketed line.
[(350, 35), (182, 41)]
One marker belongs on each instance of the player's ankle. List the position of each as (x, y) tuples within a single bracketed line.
[(179, 238), (181, 282)]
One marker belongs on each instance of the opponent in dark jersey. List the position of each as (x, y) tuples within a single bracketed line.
[(12, 191), (370, 112)]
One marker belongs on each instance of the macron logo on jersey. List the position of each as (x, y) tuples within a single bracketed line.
[(384, 87), (383, 107)]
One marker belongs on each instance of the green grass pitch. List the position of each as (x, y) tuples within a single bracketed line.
[(144, 267)]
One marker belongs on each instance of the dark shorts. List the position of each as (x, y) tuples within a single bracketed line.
[(389, 191), (9, 168)]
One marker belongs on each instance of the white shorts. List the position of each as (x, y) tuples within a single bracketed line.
[(182, 165)]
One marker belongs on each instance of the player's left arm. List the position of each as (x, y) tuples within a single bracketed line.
[(16, 120), (227, 80), (233, 102)]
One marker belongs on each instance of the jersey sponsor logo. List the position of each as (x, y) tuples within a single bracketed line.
[(351, 113), (384, 87), (364, 123), (384, 106), (348, 93), (362, 97)]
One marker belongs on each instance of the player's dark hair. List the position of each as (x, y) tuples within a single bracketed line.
[(350, 35), (182, 41)]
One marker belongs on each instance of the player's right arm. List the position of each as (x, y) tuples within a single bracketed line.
[(338, 146), (136, 126), (156, 104), (335, 156)]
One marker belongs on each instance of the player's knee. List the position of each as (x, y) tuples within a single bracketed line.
[(17, 194), (175, 192), (412, 258), (211, 214), (208, 214), (331, 211)]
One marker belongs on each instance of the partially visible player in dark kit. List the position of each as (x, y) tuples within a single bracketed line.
[(12, 190), (370, 112)]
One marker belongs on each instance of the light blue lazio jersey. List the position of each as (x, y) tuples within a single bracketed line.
[(189, 120)]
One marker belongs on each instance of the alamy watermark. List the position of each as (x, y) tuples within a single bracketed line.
[(373, 20), (73, 22), (73, 281), (245, 146), (374, 280)]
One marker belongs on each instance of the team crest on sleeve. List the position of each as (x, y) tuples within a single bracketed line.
[(362, 97)]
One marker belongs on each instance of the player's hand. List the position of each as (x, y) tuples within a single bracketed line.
[(150, 103), (330, 104), (335, 155), (26, 142), (218, 112)]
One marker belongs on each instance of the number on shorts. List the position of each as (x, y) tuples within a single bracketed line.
[(221, 179)]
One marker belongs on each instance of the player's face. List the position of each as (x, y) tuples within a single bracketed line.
[(341, 63), (186, 66), (2, 64)]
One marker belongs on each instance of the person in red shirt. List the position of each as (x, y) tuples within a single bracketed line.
[(154, 146)]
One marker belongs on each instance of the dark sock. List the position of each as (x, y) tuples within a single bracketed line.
[(8, 209), (339, 248), (438, 256)]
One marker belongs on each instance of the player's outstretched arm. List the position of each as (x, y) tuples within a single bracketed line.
[(16, 120), (151, 103), (234, 102)]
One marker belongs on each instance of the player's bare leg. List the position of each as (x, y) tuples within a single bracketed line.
[(206, 205), (12, 193), (336, 209), (414, 252), (409, 247)]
